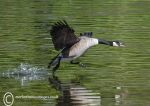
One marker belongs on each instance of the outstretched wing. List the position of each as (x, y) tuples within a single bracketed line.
[(63, 35)]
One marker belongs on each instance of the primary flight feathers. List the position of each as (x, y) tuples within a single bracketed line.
[(63, 35)]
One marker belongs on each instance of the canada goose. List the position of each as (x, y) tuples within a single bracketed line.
[(71, 46)]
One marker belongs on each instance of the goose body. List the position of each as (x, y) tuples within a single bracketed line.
[(71, 46), (83, 45)]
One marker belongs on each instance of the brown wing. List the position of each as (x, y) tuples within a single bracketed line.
[(63, 35)]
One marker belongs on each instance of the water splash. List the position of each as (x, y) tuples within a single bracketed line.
[(25, 73)]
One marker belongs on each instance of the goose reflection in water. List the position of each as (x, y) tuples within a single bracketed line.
[(74, 94)]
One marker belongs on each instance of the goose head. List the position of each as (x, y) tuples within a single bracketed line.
[(117, 44)]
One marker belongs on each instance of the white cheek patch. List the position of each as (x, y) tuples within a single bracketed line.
[(115, 44)]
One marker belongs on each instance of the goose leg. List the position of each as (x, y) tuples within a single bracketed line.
[(74, 62), (77, 62), (55, 63), (56, 67)]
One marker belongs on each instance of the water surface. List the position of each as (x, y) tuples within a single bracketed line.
[(113, 76)]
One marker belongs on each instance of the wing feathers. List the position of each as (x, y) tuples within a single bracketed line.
[(63, 35)]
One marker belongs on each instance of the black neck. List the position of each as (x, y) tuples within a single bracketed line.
[(102, 41)]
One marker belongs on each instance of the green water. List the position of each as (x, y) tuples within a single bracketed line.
[(120, 76)]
